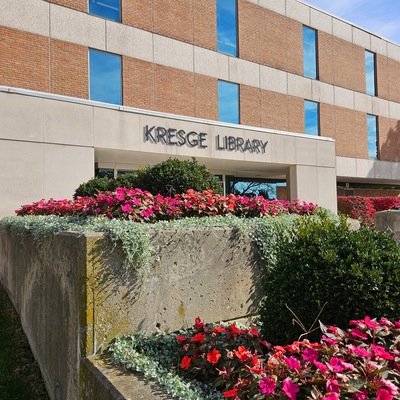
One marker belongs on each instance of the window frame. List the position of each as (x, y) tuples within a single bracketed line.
[(376, 126), (222, 82), (316, 77), (105, 17), (374, 75), (236, 21), (318, 126), (92, 51)]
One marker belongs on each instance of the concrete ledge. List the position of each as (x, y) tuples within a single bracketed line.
[(74, 295), (389, 219)]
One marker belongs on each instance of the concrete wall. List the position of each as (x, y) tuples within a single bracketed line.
[(389, 219), (74, 294)]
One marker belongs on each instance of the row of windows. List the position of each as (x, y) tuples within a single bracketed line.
[(227, 37), (106, 86)]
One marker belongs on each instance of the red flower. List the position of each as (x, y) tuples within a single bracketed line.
[(185, 363), (198, 338), (230, 393), (198, 323), (219, 329), (181, 339), (243, 354), (234, 329), (214, 356)]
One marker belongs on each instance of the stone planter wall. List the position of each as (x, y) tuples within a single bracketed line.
[(74, 294)]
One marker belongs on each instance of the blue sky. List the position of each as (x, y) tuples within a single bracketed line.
[(381, 17)]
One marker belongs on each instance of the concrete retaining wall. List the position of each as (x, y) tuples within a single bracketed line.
[(389, 219), (74, 294)]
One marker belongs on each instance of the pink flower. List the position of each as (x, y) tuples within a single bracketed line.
[(362, 395), (383, 394), (126, 208), (321, 366), (292, 362), (290, 389), (267, 386), (358, 333), (380, 351), (393, 389), (331, 396), (310, 355), (360, 351), (332, 386)]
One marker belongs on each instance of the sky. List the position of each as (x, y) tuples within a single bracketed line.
[(381, 17)]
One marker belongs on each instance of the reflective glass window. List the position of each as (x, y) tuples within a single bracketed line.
[(372, 126), (227, 27), (310, 52), (228, 102), (109, 9), (311, 118), (105, 77), (370, 73)]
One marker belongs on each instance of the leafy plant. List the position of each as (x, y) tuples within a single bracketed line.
[(175, 176), (94, 186), (320, 261)]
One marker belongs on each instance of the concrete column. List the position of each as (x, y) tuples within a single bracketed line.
[(313, 184)]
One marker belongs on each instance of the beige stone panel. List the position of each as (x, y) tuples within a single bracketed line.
[(21, 174), (219, 132), (365, 168), (68, 123), (326, 156), (346, 167), (283, 149), (262, 153), (21, 117), (26, 15), (383, 169), (327, 188), (65, 168), (306, 151), (116, 130)]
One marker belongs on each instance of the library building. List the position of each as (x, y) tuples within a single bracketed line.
[(277, 98)]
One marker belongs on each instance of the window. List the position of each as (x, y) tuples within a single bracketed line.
[(227, 27), (311, 118), (109, 9), (370, 73), (372, 126), (105, 77), (310, 52), (228, 102)]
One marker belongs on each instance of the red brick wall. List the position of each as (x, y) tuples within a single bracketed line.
[(174, 91), (394, 80), (269, 38), (341, 63), (80, 5), (24, 61), (138, 13), (250, 102), (205, 24), (348, 128), (138, 83), (282, 112), (389, 139), (69, 69), (206, 97), (382, 77)]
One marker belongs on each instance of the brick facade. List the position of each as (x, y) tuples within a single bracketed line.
[(80, 5)]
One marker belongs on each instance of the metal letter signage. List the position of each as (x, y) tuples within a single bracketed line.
[(173, 137)]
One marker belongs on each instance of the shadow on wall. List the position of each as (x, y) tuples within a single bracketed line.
[(211, 273), (389, 150)]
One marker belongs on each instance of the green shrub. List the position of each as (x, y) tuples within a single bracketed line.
[(174, 176), (356, 273), (127, 180), (94, 186)]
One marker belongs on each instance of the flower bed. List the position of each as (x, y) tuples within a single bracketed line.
[(142, 206), (227, 361)]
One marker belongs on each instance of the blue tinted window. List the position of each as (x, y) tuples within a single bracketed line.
[(227, 27), (105, 77), (310, 52), (311, 118), (228, 102), (372, 137), (370, 73), (109, 9)]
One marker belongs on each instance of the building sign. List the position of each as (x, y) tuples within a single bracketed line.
[(174, 137)]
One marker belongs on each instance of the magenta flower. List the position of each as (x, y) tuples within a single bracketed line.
[(331, 396), (292, 363), (290, 389), (383, 394), (362, 395), (126, 208), (380, 351), (332, 386), (393, 389), (310, 355), (267, 386)]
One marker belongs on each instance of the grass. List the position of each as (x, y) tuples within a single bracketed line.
[(20, 377)]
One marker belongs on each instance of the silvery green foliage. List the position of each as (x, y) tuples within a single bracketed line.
[(157, 358)]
